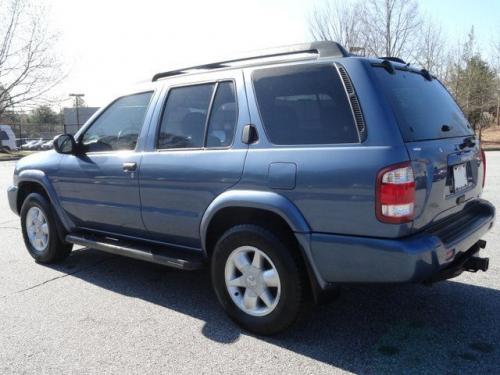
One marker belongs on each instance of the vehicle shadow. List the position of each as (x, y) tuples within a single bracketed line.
[(449, 328)]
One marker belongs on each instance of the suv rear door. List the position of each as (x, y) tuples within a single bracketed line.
[(194, 153), (446, 157)]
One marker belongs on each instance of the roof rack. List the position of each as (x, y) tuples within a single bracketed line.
[(322, 49)]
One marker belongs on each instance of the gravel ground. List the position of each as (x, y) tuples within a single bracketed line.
[(97, 313)]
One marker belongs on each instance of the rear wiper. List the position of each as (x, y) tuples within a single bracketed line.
[(468, 142)]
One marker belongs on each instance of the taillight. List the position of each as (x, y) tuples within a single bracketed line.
[(483, 160), (395, 194)]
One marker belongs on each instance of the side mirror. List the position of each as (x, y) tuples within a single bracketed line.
[(65, 144)]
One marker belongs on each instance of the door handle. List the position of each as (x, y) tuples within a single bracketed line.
[(129, 167)]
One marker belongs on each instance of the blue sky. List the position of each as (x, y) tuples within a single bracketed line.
[(457, 17), (109, 45)]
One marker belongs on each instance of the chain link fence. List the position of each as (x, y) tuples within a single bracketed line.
[(36, 131)]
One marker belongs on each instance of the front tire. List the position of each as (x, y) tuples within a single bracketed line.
[(258, 279), (40, 232)]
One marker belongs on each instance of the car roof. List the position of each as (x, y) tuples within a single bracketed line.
[(315, 52), (312, 51)]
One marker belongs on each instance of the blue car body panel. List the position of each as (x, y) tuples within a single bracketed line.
[(96, 193), (415, 258)]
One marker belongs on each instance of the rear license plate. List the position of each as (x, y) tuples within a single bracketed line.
[(460, 177)]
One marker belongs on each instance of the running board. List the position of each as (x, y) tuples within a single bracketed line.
[(182, 259)]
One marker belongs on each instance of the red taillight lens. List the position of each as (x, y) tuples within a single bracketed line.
[(483, 160), (395, 195)]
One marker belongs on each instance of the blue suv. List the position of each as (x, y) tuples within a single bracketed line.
[(287, 173)]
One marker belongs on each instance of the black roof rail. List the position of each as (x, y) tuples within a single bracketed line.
[(322, 49), (393, 59)]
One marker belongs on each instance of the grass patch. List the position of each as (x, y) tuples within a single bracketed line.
[(14, 155)]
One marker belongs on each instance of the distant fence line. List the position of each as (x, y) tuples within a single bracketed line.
[(45, 131), (72, 122)]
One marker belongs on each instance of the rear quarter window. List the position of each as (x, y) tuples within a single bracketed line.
[(304, 104)]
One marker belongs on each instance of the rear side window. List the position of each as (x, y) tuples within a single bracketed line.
[(304, 105), (424, 109), (184, 117), (222, 117), (186, 112)]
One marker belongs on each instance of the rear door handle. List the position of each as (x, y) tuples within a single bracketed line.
[(129, 167)]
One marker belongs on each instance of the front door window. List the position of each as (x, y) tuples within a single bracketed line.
[(118, 127)]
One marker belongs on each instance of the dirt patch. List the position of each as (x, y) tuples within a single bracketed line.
[(491, 137)]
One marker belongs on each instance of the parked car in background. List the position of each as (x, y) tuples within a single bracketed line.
[(28, 143), (34, 145), (37, 145), (7, 138), (287, 173), (47, 145)]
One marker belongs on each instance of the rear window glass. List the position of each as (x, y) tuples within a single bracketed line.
[(422, 108), (184, 117), (304, 104)]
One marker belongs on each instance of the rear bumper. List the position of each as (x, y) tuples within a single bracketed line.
[(12, 196), (417, 258)]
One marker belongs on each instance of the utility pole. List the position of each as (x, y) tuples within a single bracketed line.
[(361, 51), (498, 107), (21, 127), (77, 106)]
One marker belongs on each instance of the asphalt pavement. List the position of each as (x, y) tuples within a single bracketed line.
[(97, 313)]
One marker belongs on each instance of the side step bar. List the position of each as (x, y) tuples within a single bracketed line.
[(182, 259)]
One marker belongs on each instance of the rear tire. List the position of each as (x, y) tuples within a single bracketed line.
[(39, 229), (250, 261)]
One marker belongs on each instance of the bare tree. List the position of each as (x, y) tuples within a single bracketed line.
[(28, 67), (430, 52), (379, 27), (339, 21), (391, 27)]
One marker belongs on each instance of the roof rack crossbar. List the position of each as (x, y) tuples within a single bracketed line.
[(322, 49)]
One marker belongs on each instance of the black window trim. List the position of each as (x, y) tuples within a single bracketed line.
[(80, 137), (207, 120), (307, 145), (361, 137)]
